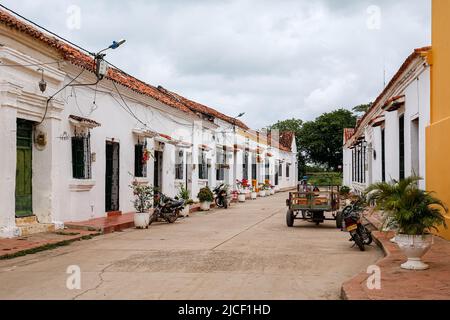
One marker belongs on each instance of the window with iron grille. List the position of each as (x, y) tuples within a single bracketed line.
[(202, 166), (179, 165), (402, 146), (280, 169), (245, 166), (81, 156), (140, 164), (383, 155), (267, 170), (220, 162), (254, 167), (288, 170)]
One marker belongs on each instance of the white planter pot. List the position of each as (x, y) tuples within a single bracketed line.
[(268, 193), (414, 247), (205, 206), (262, 193), (254, 195), (186, 211), (272, 191), (241, 198), (141, 220)]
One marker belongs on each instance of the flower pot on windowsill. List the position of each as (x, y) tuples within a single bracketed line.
[(205, 206), (253, 195), (414, 247), (141, 220), (241, 197)]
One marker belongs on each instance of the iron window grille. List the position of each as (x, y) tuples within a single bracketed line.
[(202, 166), (179, 165), (254, 167), (288, 170), (245, 166), (81, 156), (267, 170), (280, 170), (140, 165)]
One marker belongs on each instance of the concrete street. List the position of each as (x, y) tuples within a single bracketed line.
[(247, 252)]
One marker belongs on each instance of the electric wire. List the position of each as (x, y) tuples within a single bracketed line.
[(46, 30), (51, 98)]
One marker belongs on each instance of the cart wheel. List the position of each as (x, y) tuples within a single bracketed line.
[(339, 220), (290, 218)]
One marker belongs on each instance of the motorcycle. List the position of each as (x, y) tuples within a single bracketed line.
[(222, 196), (351, 216), (166, 208)]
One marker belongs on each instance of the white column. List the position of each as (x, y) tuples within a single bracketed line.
[(8, 145)]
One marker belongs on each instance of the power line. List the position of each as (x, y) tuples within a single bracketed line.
[(46, 30)]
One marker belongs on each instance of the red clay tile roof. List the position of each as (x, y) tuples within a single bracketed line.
[(85, 61), (348, 134), (200, 108), (419, 52), (286, 139)]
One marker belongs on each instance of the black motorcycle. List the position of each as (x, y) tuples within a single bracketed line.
[(221, 196), (166, 208), (351, 216)]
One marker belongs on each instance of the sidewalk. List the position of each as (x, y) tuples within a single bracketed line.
[(399, 284), (12, 248)]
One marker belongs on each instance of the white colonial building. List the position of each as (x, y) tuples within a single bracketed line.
[(71, 147), (389, 141)]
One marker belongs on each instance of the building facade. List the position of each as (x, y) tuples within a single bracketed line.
[(389, 141), (72, 149)]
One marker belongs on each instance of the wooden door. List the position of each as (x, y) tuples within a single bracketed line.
[(24, 172), (112, 181)]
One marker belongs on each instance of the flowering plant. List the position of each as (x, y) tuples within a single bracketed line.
[(146, 156), (242, 185), (143, 197)]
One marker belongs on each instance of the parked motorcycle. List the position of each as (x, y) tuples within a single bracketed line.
[(222, 196), (351, 216), (166, 208)]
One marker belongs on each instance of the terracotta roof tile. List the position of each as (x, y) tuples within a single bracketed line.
[(200, 108)]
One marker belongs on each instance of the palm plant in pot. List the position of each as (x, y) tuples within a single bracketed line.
[(184, 194), (143, 202), (206, 197), (415, 213)]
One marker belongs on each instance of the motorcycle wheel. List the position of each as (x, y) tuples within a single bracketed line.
[(219, 203), (359, 241), (339, 220), (172, 218), (367, 235)]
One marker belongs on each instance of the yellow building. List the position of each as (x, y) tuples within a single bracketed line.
[(438, 133)]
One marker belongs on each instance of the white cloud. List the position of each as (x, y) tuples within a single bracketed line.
[(272, 59)]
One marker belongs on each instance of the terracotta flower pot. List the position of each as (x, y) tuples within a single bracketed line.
[(414, 247)]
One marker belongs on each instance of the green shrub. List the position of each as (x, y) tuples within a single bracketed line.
[(205, 195)]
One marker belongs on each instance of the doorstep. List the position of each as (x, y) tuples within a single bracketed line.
[(12, 248), (399, 284), (105, 225)]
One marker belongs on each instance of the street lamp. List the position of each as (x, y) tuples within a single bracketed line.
[(101, 64)]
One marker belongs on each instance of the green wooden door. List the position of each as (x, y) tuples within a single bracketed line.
[(24, 195)]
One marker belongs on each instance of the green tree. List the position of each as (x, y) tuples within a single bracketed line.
[(293, 125), (362, 108), (321, 140)]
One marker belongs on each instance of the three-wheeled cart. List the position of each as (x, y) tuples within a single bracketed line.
[(311, 206)]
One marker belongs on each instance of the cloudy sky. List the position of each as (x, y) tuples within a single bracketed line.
[(272, 59)]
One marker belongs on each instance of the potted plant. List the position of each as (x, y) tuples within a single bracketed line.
[(413, 212), (272, 190), (186, 196), (262, 191), (253, 194), (206, 197), (143, 202), (267, 188), (242, 188)]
